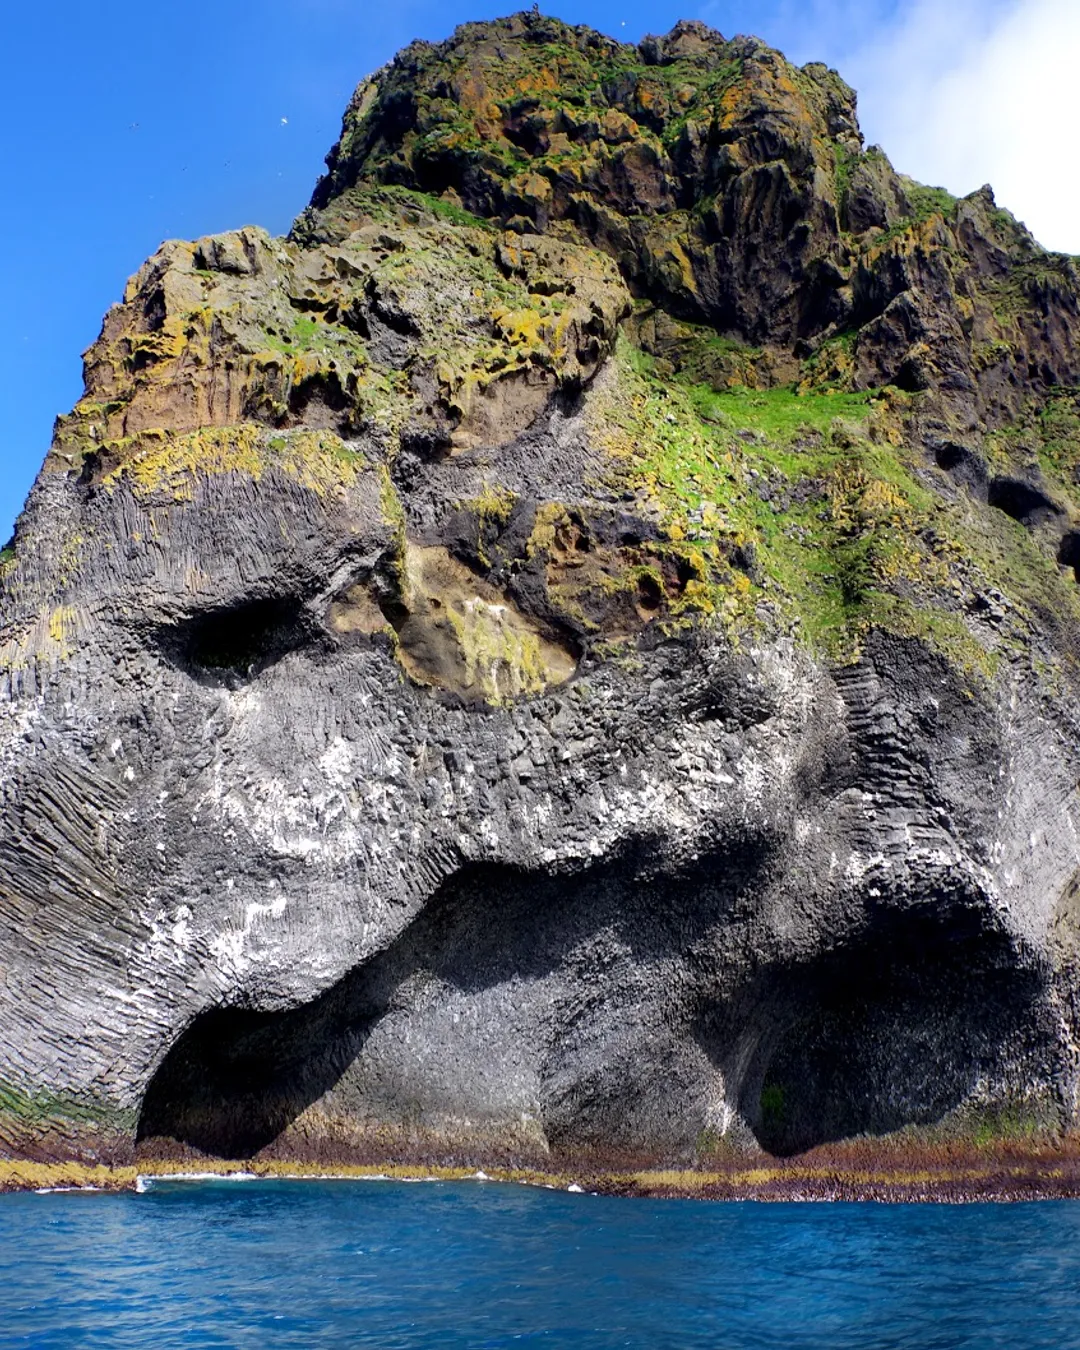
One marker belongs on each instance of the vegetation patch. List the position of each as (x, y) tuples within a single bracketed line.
[(40, 1109), (798, 497), (159, 462)]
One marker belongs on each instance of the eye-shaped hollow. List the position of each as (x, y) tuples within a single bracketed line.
[(240, 640)]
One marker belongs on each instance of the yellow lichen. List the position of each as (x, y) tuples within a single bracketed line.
[(62, 625), (158, 462)]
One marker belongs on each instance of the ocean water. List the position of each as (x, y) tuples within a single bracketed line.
[(269, 1264)]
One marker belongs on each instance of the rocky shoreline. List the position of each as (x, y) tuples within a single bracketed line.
[(851, 1175)]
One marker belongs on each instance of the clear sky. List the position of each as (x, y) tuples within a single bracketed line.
[(126, 122)]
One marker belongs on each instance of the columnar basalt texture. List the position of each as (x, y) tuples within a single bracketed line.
[(572, 654)]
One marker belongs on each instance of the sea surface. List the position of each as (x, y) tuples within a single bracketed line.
[(309, 1264)]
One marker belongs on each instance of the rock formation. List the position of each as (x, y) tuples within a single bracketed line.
[(570, 654)]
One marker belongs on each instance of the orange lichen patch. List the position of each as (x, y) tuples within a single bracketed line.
[(733, 105), (538, 80), (615, 589), (533, 186), (472, 93)]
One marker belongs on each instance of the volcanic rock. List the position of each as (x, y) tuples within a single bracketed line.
[(570, 654)]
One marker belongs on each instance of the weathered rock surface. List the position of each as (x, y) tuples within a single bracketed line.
[(573, 652)]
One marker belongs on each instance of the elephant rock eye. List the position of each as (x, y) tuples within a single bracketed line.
[(239, 640)]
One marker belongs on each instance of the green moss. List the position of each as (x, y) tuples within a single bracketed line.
[(773, 1106), (844, 165), (308, 336), (924, 203), (448, 211), (1011, 1121), (1030, 282), (38, 1109), (782, 413), (392, 509), (772, 493), (503, 661)]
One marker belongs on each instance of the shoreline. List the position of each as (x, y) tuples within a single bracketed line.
[(993, 1180)]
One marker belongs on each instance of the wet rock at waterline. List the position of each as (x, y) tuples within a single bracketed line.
[(572, 653)]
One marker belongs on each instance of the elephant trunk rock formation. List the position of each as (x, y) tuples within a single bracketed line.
[(571, 654)]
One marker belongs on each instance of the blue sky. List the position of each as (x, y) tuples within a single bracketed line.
[(123, 124)]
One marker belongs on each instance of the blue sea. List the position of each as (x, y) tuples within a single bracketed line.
[(309, 1264)]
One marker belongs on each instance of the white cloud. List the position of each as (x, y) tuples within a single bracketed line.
[(966, 93)]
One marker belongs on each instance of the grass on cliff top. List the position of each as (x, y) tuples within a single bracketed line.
[(1058, 439), (823, 492), (924, 203)]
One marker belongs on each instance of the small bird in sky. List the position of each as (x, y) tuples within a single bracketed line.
[(284, 121)]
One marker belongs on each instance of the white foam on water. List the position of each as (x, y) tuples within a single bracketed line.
[(146, 1183), (63, 1190)]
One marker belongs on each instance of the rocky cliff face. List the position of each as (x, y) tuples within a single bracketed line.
[(571, 653)]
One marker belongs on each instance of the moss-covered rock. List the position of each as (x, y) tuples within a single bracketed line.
[(819, 352), (571, 656)]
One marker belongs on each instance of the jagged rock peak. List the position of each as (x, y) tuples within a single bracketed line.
[(732, 188), (524, 116)]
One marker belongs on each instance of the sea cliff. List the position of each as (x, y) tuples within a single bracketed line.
[(566, 662)]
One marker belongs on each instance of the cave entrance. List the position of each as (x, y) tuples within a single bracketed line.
[(1022, 501), (895, 1029), (236, 1079)]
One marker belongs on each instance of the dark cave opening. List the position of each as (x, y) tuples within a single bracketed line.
[(964, 463), (236, 1078), (237, 1081), (1022, 501), (1069, 552), (895, 1029), (239, 640)]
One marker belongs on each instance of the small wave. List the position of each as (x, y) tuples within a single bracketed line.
[(64, 1190), (146, 1183)]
